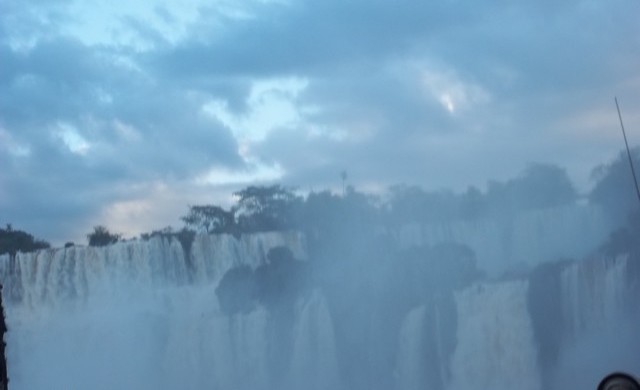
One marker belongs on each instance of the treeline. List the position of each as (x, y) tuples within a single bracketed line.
[(275, 207), (265, 208), (13, 241)]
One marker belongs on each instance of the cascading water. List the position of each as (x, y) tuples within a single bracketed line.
[(142, 315), (587, 326), (520, 240), (426, 342), (313, 361), (145, 315), (496, 347), (593, 294), (600, 318), (410, 371)]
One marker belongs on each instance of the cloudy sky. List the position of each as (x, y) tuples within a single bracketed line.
[(123, 113)]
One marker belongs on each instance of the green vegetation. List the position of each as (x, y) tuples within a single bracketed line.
[(263, 208), (275, 284), (237, 290), (209, 219), (326, 217), (13, 241), (614, 190), (101, 236), (281, 279)]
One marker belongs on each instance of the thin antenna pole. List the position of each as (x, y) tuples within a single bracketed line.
[(624, 134)]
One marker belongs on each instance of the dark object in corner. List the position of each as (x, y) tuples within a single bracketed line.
[(619, 381), (4, 380)]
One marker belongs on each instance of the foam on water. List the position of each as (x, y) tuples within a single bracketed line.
[(143, 315)]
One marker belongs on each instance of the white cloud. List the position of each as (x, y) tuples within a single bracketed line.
[(303, 92), (271, 105), (72, 139), (156, 206), (453, 93)]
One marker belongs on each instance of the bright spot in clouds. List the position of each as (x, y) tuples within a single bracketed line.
[(451, 91), (72, 139), (447, 102), (128, 83)]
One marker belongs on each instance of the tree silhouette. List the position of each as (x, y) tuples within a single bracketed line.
[(101, 236), (262, 208), (13, 241), (209, 219)]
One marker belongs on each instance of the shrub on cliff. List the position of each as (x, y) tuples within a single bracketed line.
[(275, 284), (281, 279), (236, 291), (101, 236)]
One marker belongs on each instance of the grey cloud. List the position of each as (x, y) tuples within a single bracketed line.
[(62, 81), (163, 134), (522, 52), (542, 47), (537, 62), (393, 102), (311, 37)]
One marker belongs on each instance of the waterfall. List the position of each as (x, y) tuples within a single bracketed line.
[(601, 315), (517, 241), (593, 294), (426, 342), (587, 326), (144, 315), (313, 363), (410, 371), (496, 347)]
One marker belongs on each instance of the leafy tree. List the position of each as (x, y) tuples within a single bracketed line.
[(101, 236), (209, 219), (281, 279), (614, 190), (624, 240), (237, 290), (336, 224), (543, 185), (13, 241), (262, 208), (276, 283), (322, 211), (166, 231), (539, 186)]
